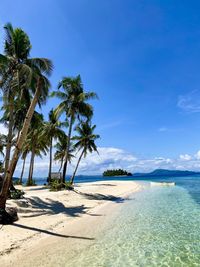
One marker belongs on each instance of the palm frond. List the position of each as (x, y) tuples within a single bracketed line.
[(43, 64)]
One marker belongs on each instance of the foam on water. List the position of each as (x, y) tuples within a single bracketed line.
[(158, 227)]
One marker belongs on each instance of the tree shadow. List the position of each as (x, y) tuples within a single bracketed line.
[(104, 185), (98, 196), (49, 232), (52, 207), (38, 189)]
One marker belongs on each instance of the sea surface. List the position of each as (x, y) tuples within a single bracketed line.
[(159, 226)]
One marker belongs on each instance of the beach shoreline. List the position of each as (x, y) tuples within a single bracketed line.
[(70, 219)]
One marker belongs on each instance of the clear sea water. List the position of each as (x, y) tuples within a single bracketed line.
[(159, 226)]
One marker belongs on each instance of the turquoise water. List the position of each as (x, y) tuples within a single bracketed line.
[(159, 226)]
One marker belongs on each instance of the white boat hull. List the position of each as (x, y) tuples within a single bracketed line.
[(162, 184)]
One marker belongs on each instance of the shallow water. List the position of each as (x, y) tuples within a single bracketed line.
[(159, 226)]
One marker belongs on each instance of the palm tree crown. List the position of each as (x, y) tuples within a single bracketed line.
[(19, 72), (86, 138), (85, 142), (52, 130), (61, 147), (74, 105)]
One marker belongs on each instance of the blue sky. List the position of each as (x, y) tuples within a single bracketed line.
[(141, 57)]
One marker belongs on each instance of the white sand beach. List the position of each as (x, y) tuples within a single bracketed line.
[(55, 222)]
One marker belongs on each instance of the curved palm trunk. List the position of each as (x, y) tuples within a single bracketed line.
[(67, 150), (9, 136), (30, 175), (50, 159), (18, 148), (22, 172), (61, 164), (18, 135), (79, 160)]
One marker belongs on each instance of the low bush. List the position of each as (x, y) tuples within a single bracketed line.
[(68, 186), (31, 183), (16, 194), (17, 182), (56, 185)]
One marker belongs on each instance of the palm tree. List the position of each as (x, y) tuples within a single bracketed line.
[(61, 147), (74, 105), (24, 155), (18, 115), (13, 71), (86, 142), (3, 139), (52, 130), (37, 142), (38, 85), (2, 146)]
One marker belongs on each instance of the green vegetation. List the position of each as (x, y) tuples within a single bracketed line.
[(61, 147), (85, 142), (74, 105), (16, 194), (118, 172), (24, 85), (56, 185)]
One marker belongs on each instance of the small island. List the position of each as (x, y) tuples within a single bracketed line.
[(117, 172)]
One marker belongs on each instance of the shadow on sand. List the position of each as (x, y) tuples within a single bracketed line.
[(49, 232), (97, 196), (52, 207), (42, 188), (104, 185)]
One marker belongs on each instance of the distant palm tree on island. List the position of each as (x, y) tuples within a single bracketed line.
[(117, 172)]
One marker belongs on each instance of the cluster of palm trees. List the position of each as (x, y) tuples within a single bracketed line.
[(24, 84)]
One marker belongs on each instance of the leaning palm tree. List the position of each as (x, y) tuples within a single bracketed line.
[(85, 142), (38, 83), (14, 70), (61, 147), (52, 130), (73, 105)]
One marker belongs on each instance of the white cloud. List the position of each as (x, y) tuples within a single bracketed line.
[(110, 157), (186, 157), (197, 155), (190, 102)]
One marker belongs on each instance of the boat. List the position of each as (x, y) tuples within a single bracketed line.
[(162, 184)]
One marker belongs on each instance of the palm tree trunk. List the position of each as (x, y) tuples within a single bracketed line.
[(30, 175), (22, 172), (18, 148), (61, 164), (50, 159), (67, 150), (9, 136), (79, 160), (17, 135)]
